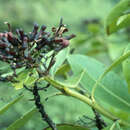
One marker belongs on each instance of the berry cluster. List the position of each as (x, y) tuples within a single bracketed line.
[(23, 49)]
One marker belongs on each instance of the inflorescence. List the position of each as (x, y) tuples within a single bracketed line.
[(25, 49)]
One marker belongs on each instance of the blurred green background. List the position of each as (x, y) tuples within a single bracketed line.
[(85, 18)]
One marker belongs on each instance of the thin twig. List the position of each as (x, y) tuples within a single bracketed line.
[(51, 62), (29, 89), (54, 94), (44, 88)]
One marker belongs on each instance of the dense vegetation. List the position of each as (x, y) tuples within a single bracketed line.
[(83, 83)]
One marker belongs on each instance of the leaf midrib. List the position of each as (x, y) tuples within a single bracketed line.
[(105, 88)]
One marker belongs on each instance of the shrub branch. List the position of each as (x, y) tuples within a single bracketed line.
[(40, 106), (70, 92)]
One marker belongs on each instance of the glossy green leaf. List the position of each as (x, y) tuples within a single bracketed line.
[(119, 17), (7, 106), (22, 120), (60, 58), (112, 90), (68, 127)]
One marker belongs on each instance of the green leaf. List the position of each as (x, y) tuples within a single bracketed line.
[(119, 17), (120, 114), (27, 77), (21, 78), (4, 67), (94, 28), (115, 63), (112, 90), (74, 80), (68, 127), (63, 69), (7, 106), (22, 120), (116, 50), (115, 126), (126, 67), (33, 76), (60, 58)]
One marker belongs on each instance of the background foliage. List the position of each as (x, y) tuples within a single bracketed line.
[(85, 18)]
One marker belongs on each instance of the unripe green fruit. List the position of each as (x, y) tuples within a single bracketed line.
[(126, 67)]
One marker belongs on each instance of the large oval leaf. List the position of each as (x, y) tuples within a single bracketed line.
[(119, 17), (68, 127), (9, 105), (111, 89), (22, 120)]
